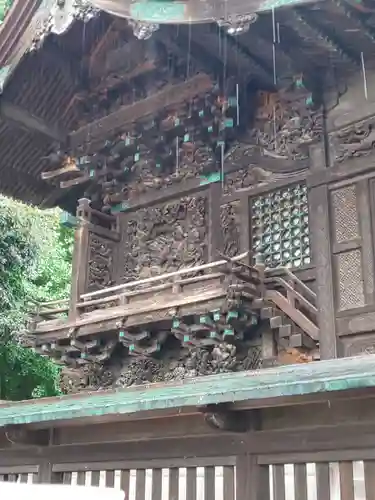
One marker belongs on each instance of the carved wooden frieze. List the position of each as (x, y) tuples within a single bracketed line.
[(360, 346), (176, 165), (355, 141), (246, 177), (230, 227), (100, 263), (287, 123), (165, 238)]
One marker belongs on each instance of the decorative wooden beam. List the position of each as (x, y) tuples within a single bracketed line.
[(121, 59), (26, 120), (18, 435), (224, 418), (70, 167), (170, 96), (114, 79)]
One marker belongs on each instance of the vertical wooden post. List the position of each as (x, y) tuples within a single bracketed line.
[(245, 227), (80, 254), (322, 258), (252, 479), (215, 233), (364, 210), (46, 475)]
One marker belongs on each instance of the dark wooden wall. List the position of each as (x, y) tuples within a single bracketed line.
[(342, 211)]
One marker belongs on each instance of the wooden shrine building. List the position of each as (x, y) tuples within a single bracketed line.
[(220, 177), (220, 185)]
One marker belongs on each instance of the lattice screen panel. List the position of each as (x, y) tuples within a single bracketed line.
[(280, 227), (351, 292), (344, 203)]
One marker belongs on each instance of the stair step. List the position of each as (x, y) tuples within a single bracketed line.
[(302, 340), (283, 342), (276, 322), (267, 312), (285, 331)]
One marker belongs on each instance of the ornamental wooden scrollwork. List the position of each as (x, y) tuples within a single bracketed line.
[(100, 263), (165, 238)]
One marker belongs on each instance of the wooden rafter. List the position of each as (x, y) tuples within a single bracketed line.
[(23, 119)]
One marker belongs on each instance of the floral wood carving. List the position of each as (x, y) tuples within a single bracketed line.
[(230, 226), (244, 178), (354, 141), (89, 377), (100, 263), (165, 238), (360, 347), (286, 124), (146, 174)]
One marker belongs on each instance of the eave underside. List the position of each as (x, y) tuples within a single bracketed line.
[(325, 42)]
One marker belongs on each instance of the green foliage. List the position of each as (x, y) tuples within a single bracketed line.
[(35, 264)]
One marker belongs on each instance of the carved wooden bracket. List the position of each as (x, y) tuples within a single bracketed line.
[(224, 418), (18, 435)]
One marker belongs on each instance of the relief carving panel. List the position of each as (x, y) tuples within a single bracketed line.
[(100, 263), (363, 345), (354, 141), (287, 123), (165, 238), (230, 227)]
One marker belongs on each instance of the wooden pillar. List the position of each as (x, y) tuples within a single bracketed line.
[(245, 225), (215, 233), (252, 479), (80, 255), (45, 474), (321, 246)]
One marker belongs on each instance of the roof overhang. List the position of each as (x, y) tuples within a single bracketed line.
[(257, 388)]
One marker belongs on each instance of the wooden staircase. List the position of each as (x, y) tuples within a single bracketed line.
[(290, 307)]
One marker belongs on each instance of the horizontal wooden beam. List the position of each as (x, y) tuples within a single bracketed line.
[(23, 119), (170, 96), (68, 168)]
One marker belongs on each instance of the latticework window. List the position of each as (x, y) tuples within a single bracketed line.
[(280, 227)]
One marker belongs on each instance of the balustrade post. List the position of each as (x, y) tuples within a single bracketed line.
[(80, 254)]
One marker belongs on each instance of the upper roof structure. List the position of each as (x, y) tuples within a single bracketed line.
[(45, 51)]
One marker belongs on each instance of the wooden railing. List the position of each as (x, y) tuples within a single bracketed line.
[(289, 295), (122, 294)]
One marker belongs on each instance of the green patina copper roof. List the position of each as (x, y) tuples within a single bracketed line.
[(293, 380)]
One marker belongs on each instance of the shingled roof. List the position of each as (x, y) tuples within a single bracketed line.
[(44, 49)]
